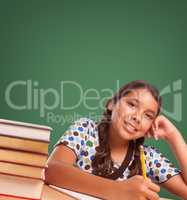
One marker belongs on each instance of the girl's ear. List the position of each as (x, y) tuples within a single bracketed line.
[(110, 105)]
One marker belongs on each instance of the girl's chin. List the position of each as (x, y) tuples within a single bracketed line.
[(130, 136), (127, 137)]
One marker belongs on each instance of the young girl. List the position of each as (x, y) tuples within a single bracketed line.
[(103, 159)]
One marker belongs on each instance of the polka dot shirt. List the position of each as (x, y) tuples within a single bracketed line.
[(82, 138)]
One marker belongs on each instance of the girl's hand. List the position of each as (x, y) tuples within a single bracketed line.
[(135, 188), (162, 128)]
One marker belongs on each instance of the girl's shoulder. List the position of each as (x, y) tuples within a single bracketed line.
[(85, 122), (148, 148), (159, 168), (152, 152), (155, 157), (81, 133), (84, 125)]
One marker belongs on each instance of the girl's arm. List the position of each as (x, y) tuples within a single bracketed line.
[(164, 129), (61, 172), (179, 147)]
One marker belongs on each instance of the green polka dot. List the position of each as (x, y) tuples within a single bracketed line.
[(89, 143)]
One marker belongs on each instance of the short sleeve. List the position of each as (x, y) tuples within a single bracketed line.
[(76, 136), (159, 168)]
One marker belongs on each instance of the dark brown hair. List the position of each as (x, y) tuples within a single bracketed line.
[(102, 163)]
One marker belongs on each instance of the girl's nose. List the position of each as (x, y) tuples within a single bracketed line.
[(136, 119)]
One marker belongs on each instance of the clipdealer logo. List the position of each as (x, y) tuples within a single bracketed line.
[(37, 98)]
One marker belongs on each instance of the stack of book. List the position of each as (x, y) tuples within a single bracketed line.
[(23, 156)]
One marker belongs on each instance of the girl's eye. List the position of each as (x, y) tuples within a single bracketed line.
[(131, 104), (149, 116)]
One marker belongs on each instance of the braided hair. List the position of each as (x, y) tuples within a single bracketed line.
[(102, 163)]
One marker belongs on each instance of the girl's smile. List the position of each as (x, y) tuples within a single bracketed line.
[(129, 127)]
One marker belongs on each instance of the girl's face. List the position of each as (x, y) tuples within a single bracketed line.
[(133, 115)]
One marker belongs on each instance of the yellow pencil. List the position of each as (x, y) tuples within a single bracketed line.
[(142, 159)]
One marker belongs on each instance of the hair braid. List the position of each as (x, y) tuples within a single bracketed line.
[(102, 163)]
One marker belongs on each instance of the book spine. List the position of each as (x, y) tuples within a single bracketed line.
[(23, 164), (18, 197), (22, 137), (41, 179), (24, 151)]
